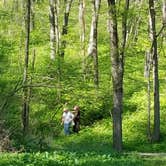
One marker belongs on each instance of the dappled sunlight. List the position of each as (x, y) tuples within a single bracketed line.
[(45, 66), (96, 138)]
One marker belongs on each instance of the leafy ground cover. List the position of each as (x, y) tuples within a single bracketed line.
[(93, 147), (64, 158)]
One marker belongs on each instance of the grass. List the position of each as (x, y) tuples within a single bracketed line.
[(64, 158), (93, 147)]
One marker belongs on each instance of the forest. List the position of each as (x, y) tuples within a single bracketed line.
[(108, 57)]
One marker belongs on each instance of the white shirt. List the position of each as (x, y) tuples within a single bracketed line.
[(67, 117)]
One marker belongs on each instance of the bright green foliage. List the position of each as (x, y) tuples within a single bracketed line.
[(80, 159), (93, 145)]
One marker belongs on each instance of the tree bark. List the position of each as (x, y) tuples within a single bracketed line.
[(68, 4), (52, 28), (164, 12), (148, 63), (117, 77), (124, 34), (32, 14), (156, 131), (82, 34), (57, 32), (92, 49), (25, 111)]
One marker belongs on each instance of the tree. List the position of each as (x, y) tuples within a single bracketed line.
[(124, 33), (156, 131), (68, 4), (92, 49), (57, 32), (32, 14), (82, 32), (117, 79), (164, 12), (25, 111), (52, 28), (148, 63), (117, 52), (4, 2)]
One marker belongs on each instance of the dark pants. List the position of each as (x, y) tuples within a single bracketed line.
[(76, 127)]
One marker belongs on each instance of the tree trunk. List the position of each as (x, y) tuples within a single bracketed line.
[(25, 114), (164, 12), (156, 132), (4, 3), (124, 34), (117, 77), (148, 63), (52, 29), (31, 78), (82, 34), (32, 14), (65, 25), (57, 32), (92, 49)]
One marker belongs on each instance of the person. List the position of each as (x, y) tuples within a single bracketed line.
[(67, 118), (76, 119)]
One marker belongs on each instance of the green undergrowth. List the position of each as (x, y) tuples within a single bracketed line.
[(98, 137), (93, 146), (64, 158)]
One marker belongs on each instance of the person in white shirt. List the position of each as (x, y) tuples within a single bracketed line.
[(67, 118)]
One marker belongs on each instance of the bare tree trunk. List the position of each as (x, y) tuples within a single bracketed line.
[(124, 34), (57, 32), (148, 63), (164, 12), (156, 132), (4, 3), (58, 51), (52, 28), (82, 34), (117, 77), (68, 4), (55, 41), (92, 49), (32, 14), (25, 111), (31, 79)]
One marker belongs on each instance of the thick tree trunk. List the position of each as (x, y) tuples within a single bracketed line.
[(92, 49), (65, 26), (25, 114), (156, 132), (117, 77)]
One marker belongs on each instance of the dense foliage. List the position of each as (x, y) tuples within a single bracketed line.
[(96, 104)]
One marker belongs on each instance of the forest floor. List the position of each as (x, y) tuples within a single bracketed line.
[(92, 146)]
